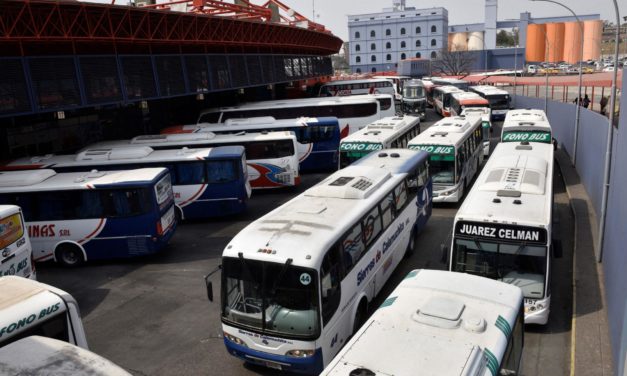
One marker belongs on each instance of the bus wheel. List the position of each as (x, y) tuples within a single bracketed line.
[(69, 255), (411, 246), (178, 214), (360, 316)]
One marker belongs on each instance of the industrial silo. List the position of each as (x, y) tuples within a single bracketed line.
[(572, 42), (459, 42), (475, 41), (450, 41), (592, 31), (534, 50), (555, 37)]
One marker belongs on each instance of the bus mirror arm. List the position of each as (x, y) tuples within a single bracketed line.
[(209, 284), (444, 254)]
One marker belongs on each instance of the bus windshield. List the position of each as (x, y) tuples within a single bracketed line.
[(277, 299), (413, 92), (519, 264), (498, 102), (442, 169)]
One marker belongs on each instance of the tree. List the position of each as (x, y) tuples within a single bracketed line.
[(505, 39), (453, 63)]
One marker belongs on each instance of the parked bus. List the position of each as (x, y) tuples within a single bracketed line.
[(439, 323), (358, 87), (387, 133), (455, 150), (317, 139), (500, 100), (526, 125), (414, 100), (429, 86), (353, 112), (17, 253), (486, 124), (271, 156), (296, 283), (503, 229), (442, 98), (37, 355), (78, 216), (463, 100), (206, 182), (441, 81), (34, 308)]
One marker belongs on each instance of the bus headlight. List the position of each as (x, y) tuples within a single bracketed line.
[(300, 353), (234, 339)]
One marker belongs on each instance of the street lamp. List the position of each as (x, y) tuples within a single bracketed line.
[(608, 147), (578, 109)]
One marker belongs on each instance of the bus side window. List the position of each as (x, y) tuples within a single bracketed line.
[(191, 173), (423, 175), (400, 196), (372, 226), (353, 246), (330, 277), (388, 211)]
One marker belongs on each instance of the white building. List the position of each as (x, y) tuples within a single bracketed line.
[(377, 41)]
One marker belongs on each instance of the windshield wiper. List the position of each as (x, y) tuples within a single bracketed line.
[(496, 267), (288, 262)]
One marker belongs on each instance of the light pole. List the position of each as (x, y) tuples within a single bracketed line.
[(578, 109), (608, 146)]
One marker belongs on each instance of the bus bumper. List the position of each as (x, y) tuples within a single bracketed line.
[(537, 311), (311, 366)]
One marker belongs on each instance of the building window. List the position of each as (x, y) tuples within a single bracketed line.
[(388, 57), (403, 56), (433, 42), (388, 32), (373, 58), (388, 45), (358, 59), (357, 35), (373, 46), (403, 44), (418, 44), (434, 29), (402, 31), (374, 70), (372, 34), (357, 47), (433, 54), (418, 30), (358, 70), (418, 54)]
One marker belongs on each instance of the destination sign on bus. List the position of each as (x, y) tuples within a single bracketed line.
[(360, 146), (501, 232), (435, 149), (527, 136)]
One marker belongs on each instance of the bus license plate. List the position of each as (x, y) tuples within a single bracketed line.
[(273, 365)]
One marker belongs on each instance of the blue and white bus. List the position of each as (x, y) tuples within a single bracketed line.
[(17, 253), (207, 183), (75, 217), (317, 139), (297, 282)]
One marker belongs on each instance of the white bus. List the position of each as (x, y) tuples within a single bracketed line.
[(353, 112), (486, 124), (500, 100), (77, 216), (17, 254), (296, 283), (387, 133), (526, 125), (33, 308), (442, 96), (455, 150), (503, 229), (37, 355), (271, 157), (358, 87), (439, 323)]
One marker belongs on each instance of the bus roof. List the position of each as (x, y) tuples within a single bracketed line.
[(488, 90), (382, 130), (42, 355), (449, 80), (466, 98), (18, 291), (48, 180), (483, 112), (124, 155), (450, 319), (524, 119), (190, 139), (515, 186), (318, 101), (260, 123), (323, 212), (447, 131), (449, 89), (361, 81), (414, 82)]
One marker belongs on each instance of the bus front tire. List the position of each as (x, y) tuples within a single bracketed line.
[(411, 246), (69, 255), (360, 316)]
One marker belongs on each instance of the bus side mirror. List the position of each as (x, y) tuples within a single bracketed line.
[(557, 248), (554, 142), (209, 284), (444, 254)]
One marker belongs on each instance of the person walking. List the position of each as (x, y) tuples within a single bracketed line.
[(586, 101), (603, 104)]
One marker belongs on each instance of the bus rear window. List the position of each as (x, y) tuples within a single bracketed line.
[(163, 189)]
